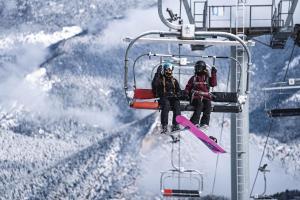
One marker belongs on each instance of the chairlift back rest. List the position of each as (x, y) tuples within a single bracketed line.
[(143, 94), (219, 96), (231, 97), (214, 108)]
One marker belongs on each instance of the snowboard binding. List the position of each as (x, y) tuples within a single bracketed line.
[(214, 139)]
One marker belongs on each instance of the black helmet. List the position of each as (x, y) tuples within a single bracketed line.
[(200, 66)]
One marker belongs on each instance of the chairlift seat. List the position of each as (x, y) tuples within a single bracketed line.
[(180, 193), (145, 99), (284, 112)]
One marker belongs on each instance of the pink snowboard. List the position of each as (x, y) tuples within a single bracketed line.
[(214, 147)]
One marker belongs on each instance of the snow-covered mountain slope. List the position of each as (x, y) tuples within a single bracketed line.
[(49, 15), (82, 167), (66, 130)]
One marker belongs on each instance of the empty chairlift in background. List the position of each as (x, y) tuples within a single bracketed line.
[(178, 182), (282, 99), (181, 183)]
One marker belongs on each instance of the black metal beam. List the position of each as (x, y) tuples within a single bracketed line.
[(227, 109), (231, 97), (214, 108), (285, 112)]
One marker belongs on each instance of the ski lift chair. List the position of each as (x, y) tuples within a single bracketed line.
[(282, 89), (145, 99), (181, 183)]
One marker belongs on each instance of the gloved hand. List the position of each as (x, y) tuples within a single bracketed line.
[(212, 96), (186, 95), (214, 70), (183, 95), (202, 93)]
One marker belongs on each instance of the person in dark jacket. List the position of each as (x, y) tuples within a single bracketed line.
[(198, 89), (167, 89)]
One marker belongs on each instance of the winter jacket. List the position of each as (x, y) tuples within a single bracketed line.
[(198, 86), (163, 86)]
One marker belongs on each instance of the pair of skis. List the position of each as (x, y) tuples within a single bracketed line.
[(210, 143)]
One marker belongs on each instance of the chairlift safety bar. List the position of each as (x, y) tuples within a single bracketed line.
[(176, 34), (195, 42), (281, 88), (182, 56)]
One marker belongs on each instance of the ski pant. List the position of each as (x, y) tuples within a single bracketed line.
[(201, 105), (167, 104)]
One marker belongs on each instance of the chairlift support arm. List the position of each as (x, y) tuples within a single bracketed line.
[(164, 20)]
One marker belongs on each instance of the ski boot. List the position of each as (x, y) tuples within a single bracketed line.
[(164, 129)]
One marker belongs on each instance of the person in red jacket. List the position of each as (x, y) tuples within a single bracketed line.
[(198, 89)]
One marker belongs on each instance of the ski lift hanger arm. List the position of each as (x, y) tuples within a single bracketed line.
[(204, 33), (164, 20)]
